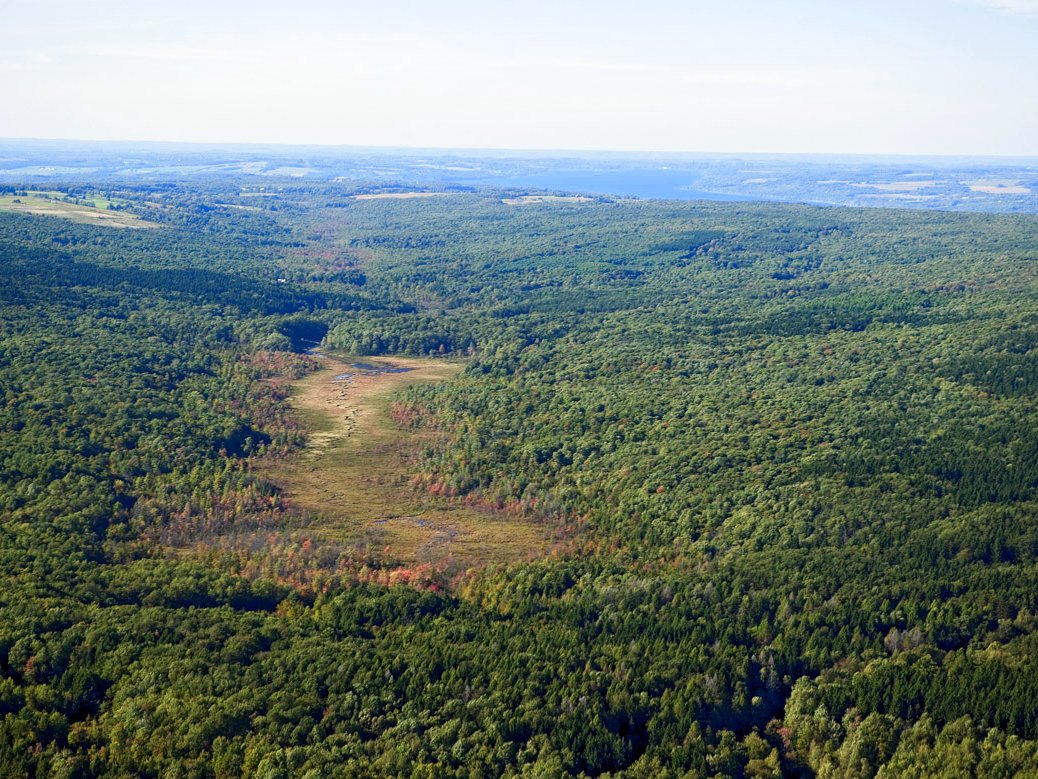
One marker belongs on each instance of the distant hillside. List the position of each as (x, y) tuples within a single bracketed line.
[(1003, 185)]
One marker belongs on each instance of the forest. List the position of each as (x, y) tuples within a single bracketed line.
[(787, 455)]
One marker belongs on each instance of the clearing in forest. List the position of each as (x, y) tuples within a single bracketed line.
[(998, 187), (354, 471), (42, 204)]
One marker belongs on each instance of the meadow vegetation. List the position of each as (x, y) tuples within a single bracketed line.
[(355, 471)]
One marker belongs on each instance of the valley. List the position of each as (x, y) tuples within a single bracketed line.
[(355, 471)]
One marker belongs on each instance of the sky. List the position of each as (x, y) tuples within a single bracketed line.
[(798, 76)]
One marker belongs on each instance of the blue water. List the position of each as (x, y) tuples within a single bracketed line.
[(675, 184), (375, 368), (369, 368)]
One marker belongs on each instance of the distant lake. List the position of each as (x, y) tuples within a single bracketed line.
[(644, 183)]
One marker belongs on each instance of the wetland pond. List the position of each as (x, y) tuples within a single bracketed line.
[(370, 369)]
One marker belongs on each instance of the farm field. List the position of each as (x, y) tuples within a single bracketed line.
[(91, 212)]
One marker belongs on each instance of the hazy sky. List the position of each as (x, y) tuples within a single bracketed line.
[(915, 76)]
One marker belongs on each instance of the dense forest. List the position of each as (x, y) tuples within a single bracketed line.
[(790, 452)]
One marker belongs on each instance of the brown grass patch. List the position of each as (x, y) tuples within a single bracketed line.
[(355, 473)]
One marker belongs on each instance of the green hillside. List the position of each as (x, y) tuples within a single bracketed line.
[(786, 457)]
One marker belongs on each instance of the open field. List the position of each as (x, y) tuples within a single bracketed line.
[(998, 187), (41, 205), (354, 471)]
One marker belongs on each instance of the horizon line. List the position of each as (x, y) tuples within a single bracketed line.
[(526, 151)]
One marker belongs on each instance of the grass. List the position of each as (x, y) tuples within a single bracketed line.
[(354, 473), (90, 210)]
